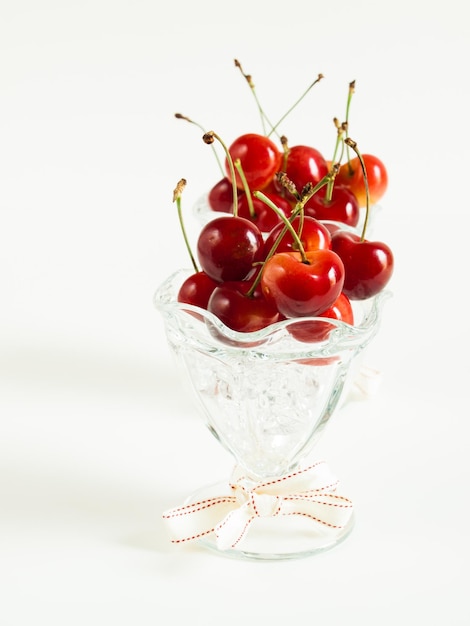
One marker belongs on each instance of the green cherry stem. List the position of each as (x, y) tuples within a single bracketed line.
[(177, 198), (352, 144), (209, 138), (274, 128), (351, 90), (287, 224), (180, 116), (249, 198), (340, 131)]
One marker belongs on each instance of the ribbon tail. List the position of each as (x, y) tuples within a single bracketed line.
[(329, 511), (233, 527), (195, 520)]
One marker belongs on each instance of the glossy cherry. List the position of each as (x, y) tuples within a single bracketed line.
[(313, 236), (239, 309), (341, 207), (196, 289), (305, 164), (228, 247), (351, 175), (220, 197), (311, 331), (259, 157), (368, 265), (300, 287)]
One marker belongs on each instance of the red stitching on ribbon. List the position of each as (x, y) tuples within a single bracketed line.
[(183, 510), (315, 519)]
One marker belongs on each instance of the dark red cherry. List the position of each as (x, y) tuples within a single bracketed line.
[(196, 289), (239, 311), (228, 247), (220, 197), (368, 265)]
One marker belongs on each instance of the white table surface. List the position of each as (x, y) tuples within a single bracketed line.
[(98, 436)]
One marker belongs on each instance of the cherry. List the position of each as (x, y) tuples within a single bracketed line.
[(303, 284), (332, 227), (228, 247), (241, 308), (196, 289), (259, 157), (341, 207), (220, 197), (368, 265), (310, 331), (305, 164), (313, 236), (260, 213), (351, 175)]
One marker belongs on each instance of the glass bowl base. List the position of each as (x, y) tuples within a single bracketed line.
[(274, 538)]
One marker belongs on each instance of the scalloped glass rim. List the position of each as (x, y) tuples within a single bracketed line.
[(342, 336)]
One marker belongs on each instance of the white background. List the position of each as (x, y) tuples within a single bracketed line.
[(97, 434)]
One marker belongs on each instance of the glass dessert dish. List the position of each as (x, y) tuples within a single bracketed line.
[(266, 396)]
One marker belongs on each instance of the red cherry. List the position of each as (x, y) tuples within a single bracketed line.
[(241, 312), (314, 236), (342, 207), (350, 174), (305, 165), (196, 289), (259, 157), (368, 265), (303, 288), (332, 227), (264, 217), (220, 197), (228, 246), (317, 330)]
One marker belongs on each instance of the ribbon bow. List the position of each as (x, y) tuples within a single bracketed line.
[(308, 492)]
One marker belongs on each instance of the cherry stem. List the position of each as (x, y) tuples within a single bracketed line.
[(209, 139), (351, 90), (340, 130), (287, 223), (249, 80), (352, 144), (180, 116), (177, 198), (249, 198), (317, 80)]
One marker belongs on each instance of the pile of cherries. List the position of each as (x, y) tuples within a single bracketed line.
[(283, 241)]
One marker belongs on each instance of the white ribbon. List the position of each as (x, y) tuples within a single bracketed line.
[(309, 492), (368, 380)]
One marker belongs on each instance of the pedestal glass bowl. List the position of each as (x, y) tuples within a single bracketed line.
[(266, 397)]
